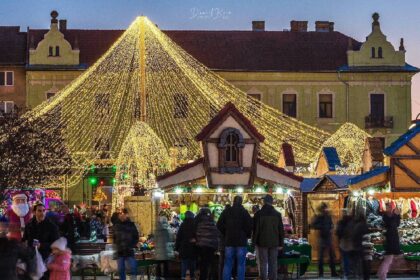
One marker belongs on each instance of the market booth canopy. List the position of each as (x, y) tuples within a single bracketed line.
[(403, 174), (231, 144)]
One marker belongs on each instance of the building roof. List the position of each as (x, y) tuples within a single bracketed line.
[(406, 68), (12, 45), (231, 50), (287, 152), (368, 175), (229, 108), (308, 184), (340, 181), (267, 50), (180, 169), (332, 157), (402, 140), (376, 148), (91, 43), (279, 170)]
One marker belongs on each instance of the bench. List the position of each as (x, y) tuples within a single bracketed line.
[(85, 249)]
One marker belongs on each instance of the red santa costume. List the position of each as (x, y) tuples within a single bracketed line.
[(19, 215)]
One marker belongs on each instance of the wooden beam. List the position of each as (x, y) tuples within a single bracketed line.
[(413, 148), (407, 170)]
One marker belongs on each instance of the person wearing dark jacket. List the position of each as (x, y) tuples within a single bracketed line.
[(359, 229), (126, 237), (268, 236), (206, 236), (235, 224), (10, 251), (42, 229), (345, 241), (323, 223), (391, 221), (185, 246)]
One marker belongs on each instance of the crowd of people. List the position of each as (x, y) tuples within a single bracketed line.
[(36, 243), (200, 237), (355, 247), (48, 239)]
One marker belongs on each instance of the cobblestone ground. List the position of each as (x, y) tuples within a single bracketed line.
[(306, 277)]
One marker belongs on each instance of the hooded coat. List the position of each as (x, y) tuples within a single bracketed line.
[(206, 232), (185, 239), (60, 266)]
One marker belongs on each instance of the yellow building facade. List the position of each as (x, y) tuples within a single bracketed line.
[(328, 80)]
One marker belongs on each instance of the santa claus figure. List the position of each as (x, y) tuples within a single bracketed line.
[(19, 216)]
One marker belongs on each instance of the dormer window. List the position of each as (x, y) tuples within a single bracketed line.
[(380, 52), (57, 51), (373, 55), (50, 51), (230, 151)]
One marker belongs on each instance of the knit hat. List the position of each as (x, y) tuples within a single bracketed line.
[(60, 243)]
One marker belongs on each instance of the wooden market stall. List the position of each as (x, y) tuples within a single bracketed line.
[(398, 184), (329, 189), (230, 165)]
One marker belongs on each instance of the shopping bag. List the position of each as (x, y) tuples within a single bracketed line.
[(40, 267)]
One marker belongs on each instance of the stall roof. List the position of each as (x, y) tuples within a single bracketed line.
[(332, 157), (308, 184), (376, 177), (340, 181), (402, 140), (228, 108), (368, 175)]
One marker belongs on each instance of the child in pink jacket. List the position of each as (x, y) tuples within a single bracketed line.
[(59, 266)]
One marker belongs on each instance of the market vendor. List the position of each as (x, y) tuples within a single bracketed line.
[(18, 215)]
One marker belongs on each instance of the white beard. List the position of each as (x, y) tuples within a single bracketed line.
[(20, 209)]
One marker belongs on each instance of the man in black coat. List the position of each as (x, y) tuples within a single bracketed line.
[(126, 237), (235, 224), (268, 236), (42, 229)]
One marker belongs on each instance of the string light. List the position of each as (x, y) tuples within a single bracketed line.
[(95, 113), (258, 190), (219, 190), (239, 189), (279, 190), (349, 141)]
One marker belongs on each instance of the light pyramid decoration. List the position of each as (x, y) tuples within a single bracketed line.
[(145, 76), (349, 142)]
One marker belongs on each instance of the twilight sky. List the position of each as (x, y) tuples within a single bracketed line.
[(398, 18)]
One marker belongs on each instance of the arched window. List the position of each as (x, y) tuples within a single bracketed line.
[(57, 51), (380, 52), (373, 52), (230, 151), (50, 51)]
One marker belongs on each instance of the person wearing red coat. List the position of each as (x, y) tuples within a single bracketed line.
[(60, 260), (18, 216)]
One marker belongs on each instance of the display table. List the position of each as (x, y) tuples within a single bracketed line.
[(302, 262), (401, 263)]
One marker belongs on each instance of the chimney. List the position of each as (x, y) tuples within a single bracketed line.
[(298, 26), (324, 26), (63, 25), (258, 25)]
